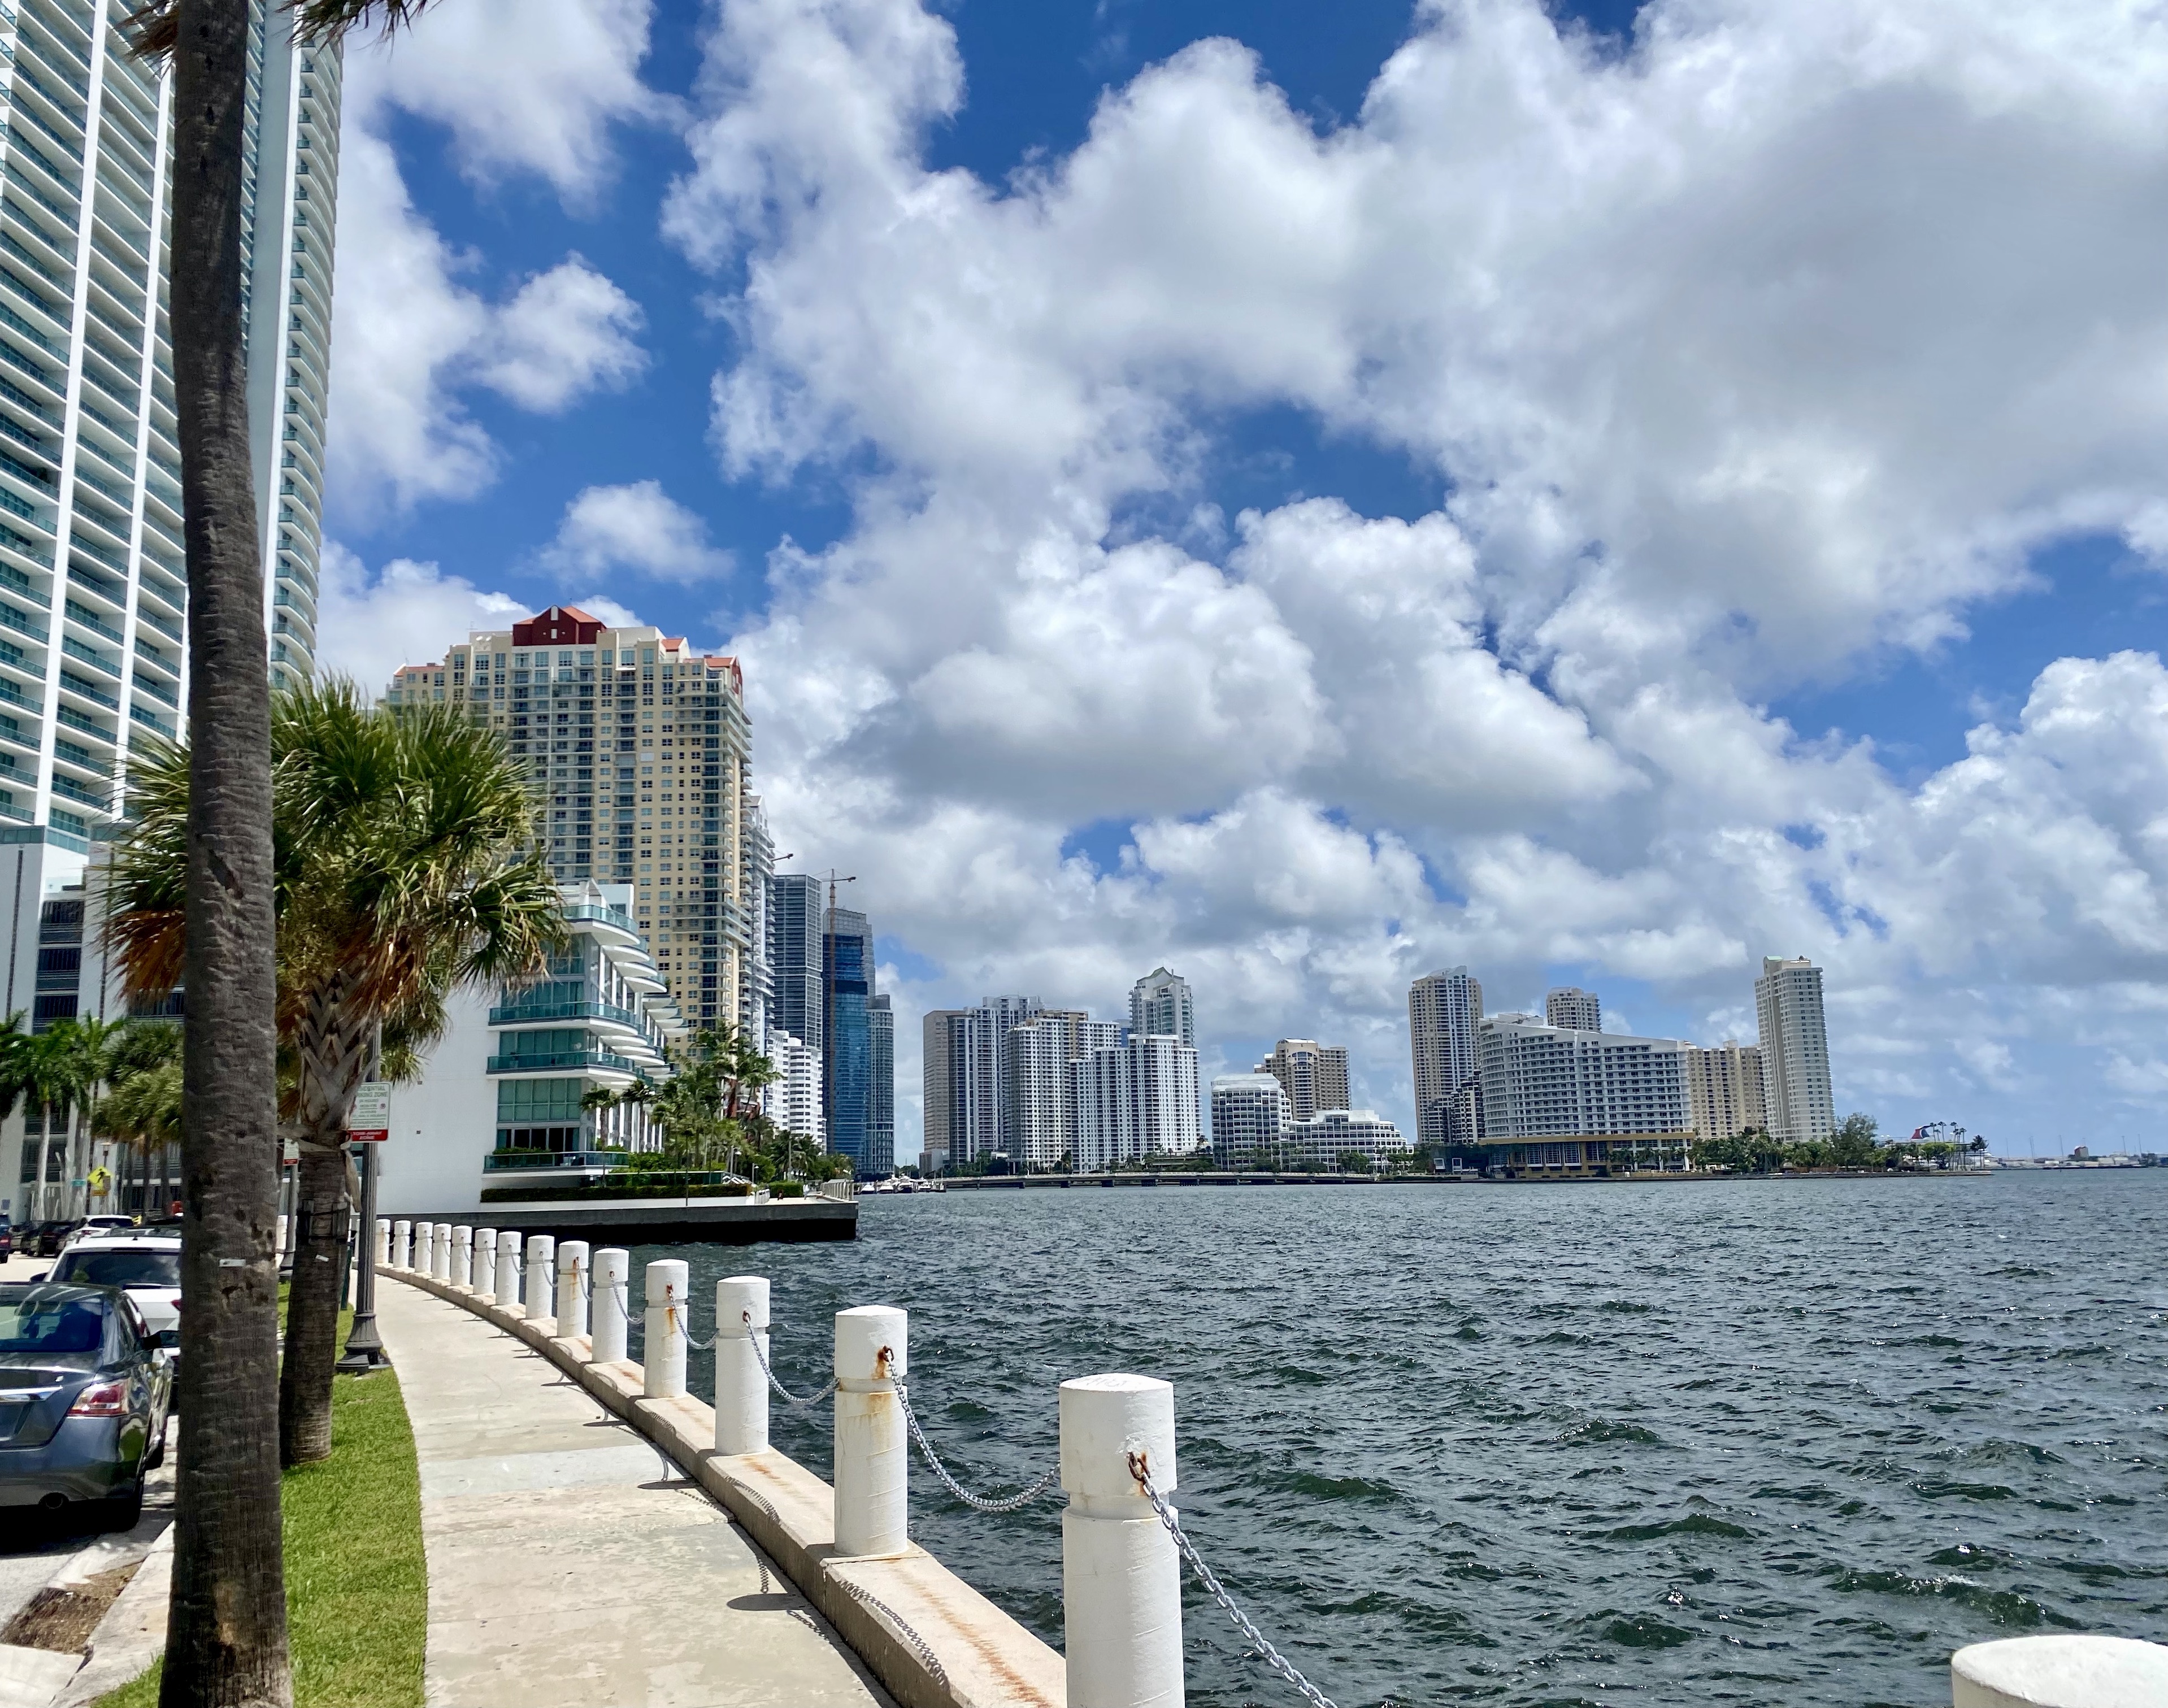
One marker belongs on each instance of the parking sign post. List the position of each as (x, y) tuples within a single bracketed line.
[(367, 1126)]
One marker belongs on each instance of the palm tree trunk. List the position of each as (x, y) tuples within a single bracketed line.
[(312, 1299), (44, 1159), (226, 1638)]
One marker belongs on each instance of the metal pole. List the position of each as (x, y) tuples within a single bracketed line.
[(364, 1347)]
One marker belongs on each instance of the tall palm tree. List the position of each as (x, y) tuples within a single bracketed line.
[(226, 1634), (50, 1073), (89, 1044), (407, 864)]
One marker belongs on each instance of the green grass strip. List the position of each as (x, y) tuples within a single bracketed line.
[(356, 1583)]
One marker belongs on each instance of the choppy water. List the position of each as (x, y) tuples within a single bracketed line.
[(1785, 1442)]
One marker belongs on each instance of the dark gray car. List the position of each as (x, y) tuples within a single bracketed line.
[(83, 1390)]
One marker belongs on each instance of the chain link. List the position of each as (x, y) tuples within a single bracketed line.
[(1273, 1658), (1015, 1503), (760, 1352), (685, 1328)]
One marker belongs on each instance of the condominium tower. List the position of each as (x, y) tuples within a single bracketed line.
[(639, 749), (1724, 1090), (1542, 1081), (1314, 1075), (1574, 1008), (1795, 1070), (1444, 1011), (1160, 1006)]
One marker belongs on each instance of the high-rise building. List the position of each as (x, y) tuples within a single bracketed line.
[(1313, 1074), (1572, 1008), (996, 1080), (639, 750), (1541, 1081), (1135, 1099), (880, 1119), (1159, 1007), (847, 966), (93, 579), (1035, 1111), (1795, 1068), (1724, 1090), (1444, 1011), (794, 1101), (960, 1109), (1250, 1116), (795, 1004), (757, 988)]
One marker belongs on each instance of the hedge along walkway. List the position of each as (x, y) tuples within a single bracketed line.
[(356, 1583), (570, 1565)]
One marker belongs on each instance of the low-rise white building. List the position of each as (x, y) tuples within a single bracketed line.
[(1250, 1116), (1332, 1134), (504, 1097), (1543, 1081)]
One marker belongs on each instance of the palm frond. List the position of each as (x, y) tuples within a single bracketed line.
[(153, 29)]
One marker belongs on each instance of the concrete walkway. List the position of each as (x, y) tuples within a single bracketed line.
[(569, 1564)]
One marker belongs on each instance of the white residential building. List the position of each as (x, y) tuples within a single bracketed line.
[(1573, 1009), (1135, 1099), (1444, 1011), (1795, 1067), (641, 755), (1543, 1081), (794, 1101), (1332, 1134), (1160, 1006), (1250, 1116), (1314, 1075), (1724, 1090)]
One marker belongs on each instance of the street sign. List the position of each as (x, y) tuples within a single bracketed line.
[(371, 1118)]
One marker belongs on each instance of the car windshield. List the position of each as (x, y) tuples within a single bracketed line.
[(90, 1267), (40, 1322)]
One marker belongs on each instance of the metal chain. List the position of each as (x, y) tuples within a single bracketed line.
[(790, 1398), (1015, 1503), (685, 1329), (1273, 1658)]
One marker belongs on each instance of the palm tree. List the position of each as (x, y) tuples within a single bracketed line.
[(226, 1634), (89, 1043), (407, 865), (47, 1069)]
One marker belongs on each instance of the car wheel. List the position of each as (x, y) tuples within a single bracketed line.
[(123, 1510), (157, 1455)]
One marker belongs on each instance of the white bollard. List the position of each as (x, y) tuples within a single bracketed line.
[(440, 1253), (613, 1324), (669, 1304), (541, 1277), (508, 1269), (1121, 1578), (402, 1244), (873, 1512), (741, 1386), (422, 1233), (463, 1257), (383, 1244), (485, 1270), (2063, 1671), (280, 1236), (572, 1289)]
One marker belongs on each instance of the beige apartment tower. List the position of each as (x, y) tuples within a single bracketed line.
[(641, 752), (1795, 1067), (1445, 1012), (1724, 1090), (1313, 1075)]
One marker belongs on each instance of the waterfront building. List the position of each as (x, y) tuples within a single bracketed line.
[(1314, 1075), (996, 1080), (1035, 1112), (1444, 1011), (796, 903), (1795, 1068), (1541, 1081), (956, 1106), (793, 1102), (1160, 1006), (1327, 1139), (1135, 1099), (847, 965), (93, 579), (504, 1095), (880, 1118), (1250, 1118), (757, 988), (1572, 1008), (1724, 1090), (597, 711)]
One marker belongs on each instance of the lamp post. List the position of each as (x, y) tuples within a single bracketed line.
[(364, 1347)]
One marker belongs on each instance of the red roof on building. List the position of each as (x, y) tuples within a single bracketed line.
[(561, 625)]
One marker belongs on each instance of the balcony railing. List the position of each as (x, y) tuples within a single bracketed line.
[(600, 914), (565, 1060), (503, 1162), (522, 1011)]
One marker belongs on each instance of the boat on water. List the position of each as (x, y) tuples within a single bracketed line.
[(900, 1183)]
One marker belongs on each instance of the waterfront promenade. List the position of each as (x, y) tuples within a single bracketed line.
[(570, 1563)]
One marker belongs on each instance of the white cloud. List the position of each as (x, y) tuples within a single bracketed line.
[(1779, 338), (368, 625), (635, 527), (565, 333)]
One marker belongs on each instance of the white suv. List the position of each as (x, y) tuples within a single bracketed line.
[(147, 1265)]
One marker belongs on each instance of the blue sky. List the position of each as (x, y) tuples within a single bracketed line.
[(1690, 455)]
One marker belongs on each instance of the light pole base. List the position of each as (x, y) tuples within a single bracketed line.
[(365, 1353)]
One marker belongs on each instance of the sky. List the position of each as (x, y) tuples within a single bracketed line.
[(1308, 496)]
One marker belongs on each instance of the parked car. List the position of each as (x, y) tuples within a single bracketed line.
[(146, 1264), (7, 1237), (96, 1224), (48, 1238), (84, 1388)]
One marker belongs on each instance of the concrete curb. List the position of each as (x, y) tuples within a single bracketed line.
[(932, 1640), (132, 1635)]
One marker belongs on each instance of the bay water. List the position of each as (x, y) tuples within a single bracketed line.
[(1742, 1442)]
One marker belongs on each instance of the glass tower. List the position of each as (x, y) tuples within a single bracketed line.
[(847, 958)]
